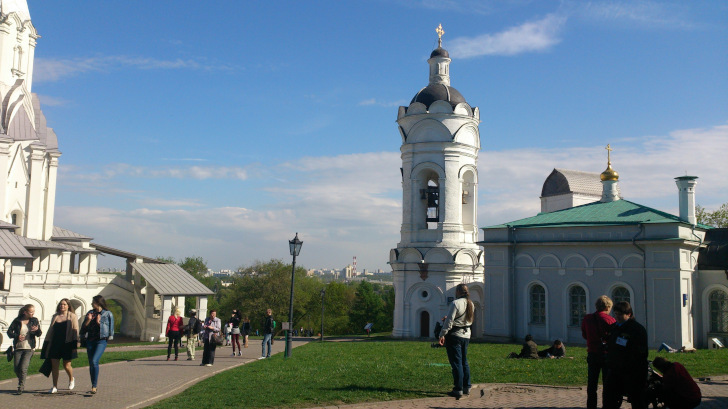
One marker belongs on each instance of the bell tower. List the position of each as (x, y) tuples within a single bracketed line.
[(437, 250)]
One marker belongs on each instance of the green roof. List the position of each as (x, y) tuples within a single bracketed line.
[(618, 212)]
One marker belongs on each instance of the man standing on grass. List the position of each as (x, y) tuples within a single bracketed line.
[(595, 329), (267, 334)]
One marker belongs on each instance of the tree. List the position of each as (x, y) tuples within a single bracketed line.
[(368, 306), (717, 218)]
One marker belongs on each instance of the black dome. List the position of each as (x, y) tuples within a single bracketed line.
[(439, 52), (438, 92)]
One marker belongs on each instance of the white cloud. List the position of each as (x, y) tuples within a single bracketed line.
[(644, 13), (387, 104), (539, 35), (53, 101), (49, 69), (192, 172), (350, 205)]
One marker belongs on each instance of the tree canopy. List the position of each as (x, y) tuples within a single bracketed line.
[(716, 218)]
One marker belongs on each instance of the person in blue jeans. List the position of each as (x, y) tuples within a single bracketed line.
[(267, 334), (455, 336), (98, 328)]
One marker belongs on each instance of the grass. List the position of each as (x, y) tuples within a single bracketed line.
[(334, 373), (109, 356)]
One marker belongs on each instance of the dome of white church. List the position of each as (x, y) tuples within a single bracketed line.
[(438, 92), (439, 52)]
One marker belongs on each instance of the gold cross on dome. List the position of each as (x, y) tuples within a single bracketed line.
[(609, 150), (439, 32)]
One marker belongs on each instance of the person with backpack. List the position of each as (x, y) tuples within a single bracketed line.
[(268, 326), (595, 329), (193, 327)]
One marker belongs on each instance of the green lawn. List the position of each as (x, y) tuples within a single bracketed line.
[(6, 368), (334, 373)]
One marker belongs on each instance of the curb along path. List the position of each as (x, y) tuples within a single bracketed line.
[(131, 384)]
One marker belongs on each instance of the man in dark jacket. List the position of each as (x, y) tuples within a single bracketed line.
[(267, 334), (529, 350), (626, 360), (193, 327), (595, 330)]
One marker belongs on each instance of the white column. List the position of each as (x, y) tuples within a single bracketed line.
[(93, 259), (5, 144), (202, 307), (34, 229), (65, 262), (165, 313), (50, 195), (83, 263)]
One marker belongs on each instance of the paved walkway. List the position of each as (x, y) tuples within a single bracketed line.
[(715, 396), (131, 384)]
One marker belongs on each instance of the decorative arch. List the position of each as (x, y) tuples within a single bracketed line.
[(463, 109), (626, 261), (428, 130), (440, 107), (548, 256), (424, 166), (39, 306), (605, 256), (434, 291), (527, 258), (465, 256), (411, 255), (469, 168), (438, 255), (584, 261), (416, 108), (468, 134)]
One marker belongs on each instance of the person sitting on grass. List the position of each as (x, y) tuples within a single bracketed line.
[(528, 351), (557, 350), (679, 390)]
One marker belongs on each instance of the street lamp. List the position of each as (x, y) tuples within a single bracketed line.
[(323, 293), (295, 247)]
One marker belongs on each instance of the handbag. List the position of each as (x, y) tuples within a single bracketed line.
[(9, 353), (218, 339)]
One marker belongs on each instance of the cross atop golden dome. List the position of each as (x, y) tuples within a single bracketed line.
[(609, 173)]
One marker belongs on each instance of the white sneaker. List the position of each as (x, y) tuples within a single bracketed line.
[(262, 357), (233, 353), (208, 364), (240, 353), (54, 390), (72, 384)]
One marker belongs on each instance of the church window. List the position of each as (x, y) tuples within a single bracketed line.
[(620, 294), (537, 298), (431, 196), (577, 305), (718, 311)]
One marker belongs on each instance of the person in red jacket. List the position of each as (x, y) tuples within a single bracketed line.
[(595, 329), (679, 390), (174, 333)]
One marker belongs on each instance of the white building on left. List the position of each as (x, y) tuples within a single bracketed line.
[(43, 263)]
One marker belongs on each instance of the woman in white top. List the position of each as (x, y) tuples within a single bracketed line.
[(455, 335), (24, 331)]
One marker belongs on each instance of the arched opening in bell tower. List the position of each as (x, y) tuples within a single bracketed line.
[(468, 200), (428, 210)]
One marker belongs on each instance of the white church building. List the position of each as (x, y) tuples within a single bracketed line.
[(542, 274), (43, 263)]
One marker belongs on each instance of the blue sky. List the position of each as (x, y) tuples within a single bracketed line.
[(219, 129)]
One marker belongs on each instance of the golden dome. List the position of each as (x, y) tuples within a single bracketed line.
[(609, 174)]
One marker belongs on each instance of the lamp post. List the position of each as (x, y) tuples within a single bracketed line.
[(323, 293), (295, 248)]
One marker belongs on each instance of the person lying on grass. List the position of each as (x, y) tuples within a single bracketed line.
[(556, 351)]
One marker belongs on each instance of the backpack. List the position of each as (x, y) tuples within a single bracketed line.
[(196, 327)]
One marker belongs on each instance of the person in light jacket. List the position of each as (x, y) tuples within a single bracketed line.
[(23, 330), (211, 326), (99, 329), (455, 336)]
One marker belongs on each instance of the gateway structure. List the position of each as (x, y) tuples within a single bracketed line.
[(41, 263)]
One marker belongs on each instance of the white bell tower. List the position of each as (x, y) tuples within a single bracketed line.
[(438, 250)]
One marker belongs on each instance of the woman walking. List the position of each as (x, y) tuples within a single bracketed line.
[(23, 331), (455, 335), (174, 333), (211, 327), (246, 331), (99, 328), (235, 331), (62, 343)]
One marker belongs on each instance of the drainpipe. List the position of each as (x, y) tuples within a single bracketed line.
[(512, 232), (644, 270)]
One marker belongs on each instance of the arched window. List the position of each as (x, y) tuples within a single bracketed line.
[(718, 311), (577, 305), (537, 298), (431, 196), (620, 294)]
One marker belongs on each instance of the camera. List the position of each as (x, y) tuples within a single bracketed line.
[(435, 345)]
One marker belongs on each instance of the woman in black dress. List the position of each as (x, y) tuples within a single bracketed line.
[(62, 342)]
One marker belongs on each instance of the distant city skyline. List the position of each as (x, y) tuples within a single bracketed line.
[(221, 130)]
